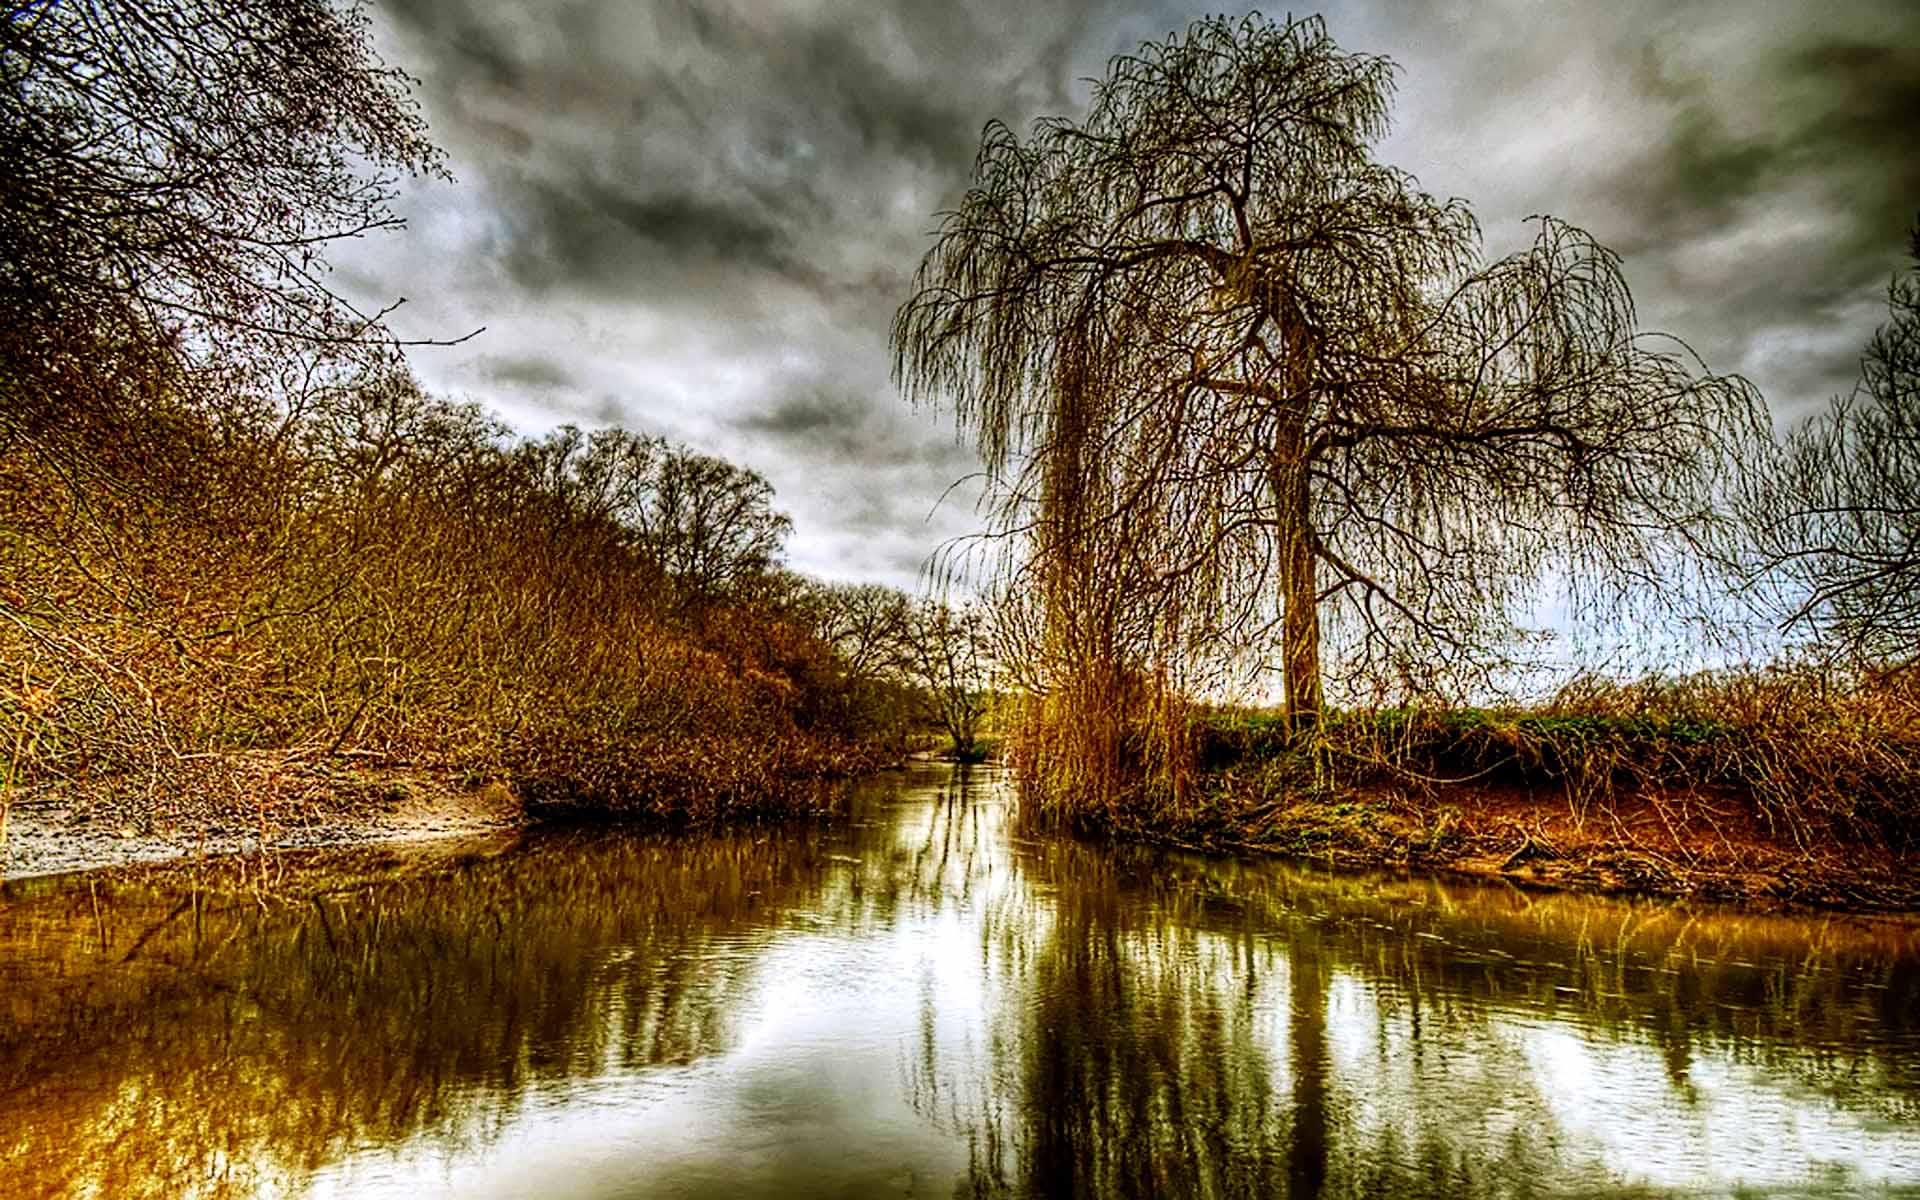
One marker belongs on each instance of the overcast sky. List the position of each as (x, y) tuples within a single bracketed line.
[(696, 217)]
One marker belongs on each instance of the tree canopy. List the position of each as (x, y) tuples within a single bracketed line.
[(182, 163), (1236, 381)]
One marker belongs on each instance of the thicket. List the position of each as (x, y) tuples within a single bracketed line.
[(1807, 753), (1820, 763), (242, 555), (385, 577)]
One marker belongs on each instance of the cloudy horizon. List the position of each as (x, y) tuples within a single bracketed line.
[(696, 217)]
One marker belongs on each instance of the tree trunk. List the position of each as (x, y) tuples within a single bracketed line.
[(1293, 510), (1300, 594)]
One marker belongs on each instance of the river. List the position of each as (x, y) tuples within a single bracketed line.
[(921, 1001)]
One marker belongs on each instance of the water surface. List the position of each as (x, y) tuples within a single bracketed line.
[(920, 1002)]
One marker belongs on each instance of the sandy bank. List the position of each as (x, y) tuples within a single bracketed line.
[(54, 833)]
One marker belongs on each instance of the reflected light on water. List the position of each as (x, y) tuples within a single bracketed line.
[(921, 1001)]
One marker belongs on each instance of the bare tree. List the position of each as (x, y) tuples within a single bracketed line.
[(380, 431), (707, 525), (1838, 516), (1234, 378), (712, 524), (948, 658), (176, 171), (178, 166), (867, 625)]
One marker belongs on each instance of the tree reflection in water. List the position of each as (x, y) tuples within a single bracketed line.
[(1188, 1027), (227, 1048), (1065, 1019)]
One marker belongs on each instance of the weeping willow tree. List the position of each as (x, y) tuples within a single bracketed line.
[(1246, 394)]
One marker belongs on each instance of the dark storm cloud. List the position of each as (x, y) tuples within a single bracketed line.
[(1805, 157), (1840, 115), (699, 145), (696, 217), (808, 415), (830, 71), (737, 192), (589, 235), (826, 422), (1859, 108), (886, 473)]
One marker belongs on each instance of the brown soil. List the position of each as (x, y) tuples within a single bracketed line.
[(1712, 848), (74, 829)]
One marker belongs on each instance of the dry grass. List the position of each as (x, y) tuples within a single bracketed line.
[(1816, 756), (1789, 783)]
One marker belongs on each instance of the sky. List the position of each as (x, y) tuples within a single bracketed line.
[(696, 218)]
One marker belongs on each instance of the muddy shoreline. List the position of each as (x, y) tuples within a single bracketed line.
[(1525, 840), (1641, 846)]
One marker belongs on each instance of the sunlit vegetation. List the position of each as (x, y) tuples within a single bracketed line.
[(381, 577), (1260, 419), (1788, 784), (244, 559)]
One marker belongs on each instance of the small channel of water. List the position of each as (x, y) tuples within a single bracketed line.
[(918, 1002)]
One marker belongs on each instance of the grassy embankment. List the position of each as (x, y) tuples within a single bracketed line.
[(251, 616), (1784, 785)]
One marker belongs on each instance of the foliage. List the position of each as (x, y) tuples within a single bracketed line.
[(392, 577), (175, 171), (237, 537), (1813, 755), (706, 528)]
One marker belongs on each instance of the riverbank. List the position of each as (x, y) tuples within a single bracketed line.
[(298, 807), (1793, 785), (1672, 846), (1669, 846), (276, 804)]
